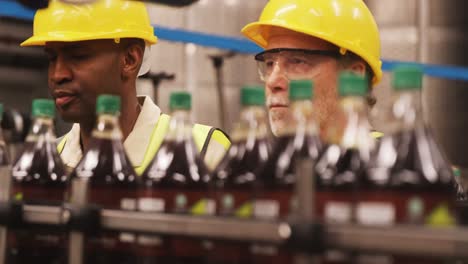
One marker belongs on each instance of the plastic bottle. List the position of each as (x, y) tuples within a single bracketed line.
[(39, 178), (276, 179), (112, 182), (178, 182)]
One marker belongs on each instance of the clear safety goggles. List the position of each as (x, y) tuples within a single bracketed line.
[(293, 63)]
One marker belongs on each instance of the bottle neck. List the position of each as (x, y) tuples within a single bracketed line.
[(180, 126), (253, 123), (353, 130), (304, 120), (407, 109), (42, 126), (107, 127)]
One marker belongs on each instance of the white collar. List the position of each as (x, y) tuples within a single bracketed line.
[(136, 143)]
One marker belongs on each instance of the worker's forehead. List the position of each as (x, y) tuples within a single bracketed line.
[(285, 38), (86, 44)]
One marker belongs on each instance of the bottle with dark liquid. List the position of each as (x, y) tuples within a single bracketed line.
[(342, 164), (235, 175), (409, 181), (274, 199), (421, 176), (177, 182), (420, 183), (112, 183), (39, 177)]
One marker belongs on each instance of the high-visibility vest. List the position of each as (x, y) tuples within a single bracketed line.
[(376, 134), (202, 136)]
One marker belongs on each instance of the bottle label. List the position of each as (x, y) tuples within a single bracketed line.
[(50, 241), (265, 250), (374, 259), (38, 195), (441, 216), (266, 209), (204, 207), (127, 204), (375, 213), (274, 204), (146, 240), (235, 203), (338, 212), (194, 203), (153, 205), (114, 198), (150, 205)]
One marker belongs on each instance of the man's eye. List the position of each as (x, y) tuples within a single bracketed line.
[(297, 61), (51, 58), (80, 56), (269, 63)]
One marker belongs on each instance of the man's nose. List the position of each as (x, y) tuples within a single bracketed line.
[(59, 71), (277, 80)]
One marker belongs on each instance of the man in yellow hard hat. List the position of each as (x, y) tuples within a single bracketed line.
[(313, 39), (98, 48)]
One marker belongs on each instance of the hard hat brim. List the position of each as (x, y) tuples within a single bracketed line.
[(74, 37)]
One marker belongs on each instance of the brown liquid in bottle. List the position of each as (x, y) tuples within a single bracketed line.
[(235, 186), (416, 185), (177, 181), (337, 174), (421, 174), (39, 178), (275, 189), (112, 185), (235, 175)]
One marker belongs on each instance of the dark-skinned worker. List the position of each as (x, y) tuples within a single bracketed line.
[(100, 48)]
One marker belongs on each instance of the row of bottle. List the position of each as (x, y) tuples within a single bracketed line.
[(400, 179)]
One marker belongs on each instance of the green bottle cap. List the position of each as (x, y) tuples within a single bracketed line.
[(43, 108), (252, 95), (301, 90), (108, 104), (180, 101), (407, 77), (351, 84)]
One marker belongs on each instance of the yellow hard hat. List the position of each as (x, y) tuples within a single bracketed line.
[(102, 19), (346, 23)]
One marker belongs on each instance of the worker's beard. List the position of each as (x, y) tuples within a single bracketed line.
[(325, 114), (280, 120)]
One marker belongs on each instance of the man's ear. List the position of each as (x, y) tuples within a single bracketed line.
[(132, 59), (358, 67)]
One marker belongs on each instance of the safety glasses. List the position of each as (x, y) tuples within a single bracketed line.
[(293, 63)]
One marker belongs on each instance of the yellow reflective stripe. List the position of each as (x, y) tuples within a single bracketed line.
[(61, 144), (221, 138), (155, 142), (200, 133), (376, 134)]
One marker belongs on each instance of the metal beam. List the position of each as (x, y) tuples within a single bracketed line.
[(411, 240)]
